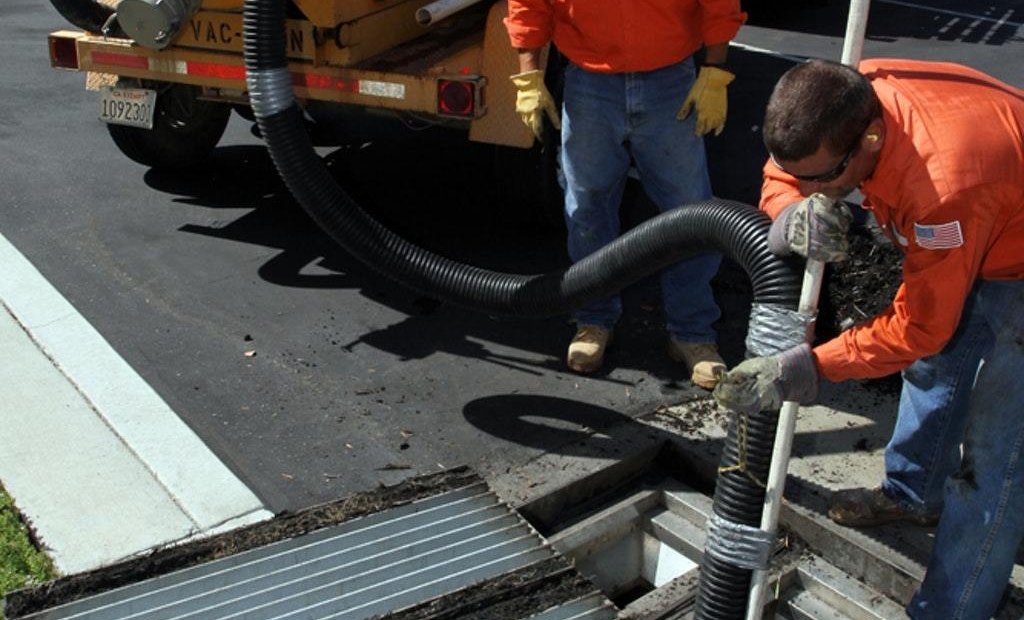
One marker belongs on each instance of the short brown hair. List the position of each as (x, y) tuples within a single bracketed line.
[(817, 103)]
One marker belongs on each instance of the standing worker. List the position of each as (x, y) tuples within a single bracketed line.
[(937, 151), (631, 86)]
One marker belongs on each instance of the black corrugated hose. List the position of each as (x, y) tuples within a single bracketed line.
[(736, 230), (89, 15), (724, 588)]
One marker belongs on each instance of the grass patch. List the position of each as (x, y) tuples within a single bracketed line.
[(21, 563)]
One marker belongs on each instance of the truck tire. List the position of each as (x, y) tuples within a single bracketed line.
[(89, 15), (185, 130)]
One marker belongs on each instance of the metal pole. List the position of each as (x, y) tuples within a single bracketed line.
[(853, 49), (856, 26), (808, 306), (436, 11)]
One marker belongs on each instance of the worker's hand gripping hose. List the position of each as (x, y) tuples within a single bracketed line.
[(815, 228)]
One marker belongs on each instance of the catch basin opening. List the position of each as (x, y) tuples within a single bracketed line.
[(640, 543)]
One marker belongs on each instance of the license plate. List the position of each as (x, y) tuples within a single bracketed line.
[(127, 106)]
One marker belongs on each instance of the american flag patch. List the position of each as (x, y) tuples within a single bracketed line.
[(939, 236)]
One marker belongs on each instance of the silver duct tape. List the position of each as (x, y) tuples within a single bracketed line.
[(774, 328), (270, 91), (739, 545)]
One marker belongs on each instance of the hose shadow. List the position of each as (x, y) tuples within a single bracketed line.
[(553, 425)]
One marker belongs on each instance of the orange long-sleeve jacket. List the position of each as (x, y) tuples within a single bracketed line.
[(948, 189), (619, 36)]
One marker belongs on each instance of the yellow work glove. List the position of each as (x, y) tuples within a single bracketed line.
[(708, 95), (534, 100)]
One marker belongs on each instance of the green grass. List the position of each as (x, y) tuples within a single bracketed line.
[(21, 563)]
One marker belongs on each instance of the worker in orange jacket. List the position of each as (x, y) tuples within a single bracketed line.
[(629, 90), (937, 151)]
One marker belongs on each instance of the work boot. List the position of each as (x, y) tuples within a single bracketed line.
[(702, 358), (586, 351), (867, 507)]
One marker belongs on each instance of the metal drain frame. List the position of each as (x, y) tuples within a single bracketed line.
[(437, 543)]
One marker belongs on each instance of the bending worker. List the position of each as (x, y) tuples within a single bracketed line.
[(630, 87), (937, 151)]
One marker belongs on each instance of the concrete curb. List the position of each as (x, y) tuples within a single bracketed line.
[(98, 463)]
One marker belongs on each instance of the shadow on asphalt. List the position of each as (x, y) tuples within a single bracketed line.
[(552, 425)]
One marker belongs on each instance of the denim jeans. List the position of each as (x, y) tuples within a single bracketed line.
[(982, 520), (607, 121), (925, 446)]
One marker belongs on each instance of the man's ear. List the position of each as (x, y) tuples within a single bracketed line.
[(874, 135)]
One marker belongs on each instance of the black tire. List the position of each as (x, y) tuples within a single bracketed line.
[(185, 130), (89, 15)]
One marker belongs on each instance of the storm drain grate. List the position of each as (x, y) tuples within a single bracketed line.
[(368, 566)]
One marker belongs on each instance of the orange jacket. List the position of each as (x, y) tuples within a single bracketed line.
[(948, 190), (619, 36)]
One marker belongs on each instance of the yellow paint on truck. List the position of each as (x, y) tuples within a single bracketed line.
[(214, 30)]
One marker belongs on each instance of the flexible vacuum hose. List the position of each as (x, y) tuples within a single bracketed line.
[(736, 230), (89, 15), (724, 585)]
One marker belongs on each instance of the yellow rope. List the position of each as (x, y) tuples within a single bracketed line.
[(741, 442)]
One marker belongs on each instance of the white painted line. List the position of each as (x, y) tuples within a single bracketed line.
[(1000, 22), (96, 460), (767, 52)]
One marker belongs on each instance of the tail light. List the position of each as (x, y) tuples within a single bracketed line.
[(460, 98), (63, 51)]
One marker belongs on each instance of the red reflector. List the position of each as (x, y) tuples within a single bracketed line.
[(456, 98), (63, 53), (209, 69), (313, 80), (120, 60)]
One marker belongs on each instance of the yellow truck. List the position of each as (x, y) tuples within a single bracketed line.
[(169, 72)]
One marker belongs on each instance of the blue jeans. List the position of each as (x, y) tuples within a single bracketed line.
[(925, 446), (982, 498), (607, 120)]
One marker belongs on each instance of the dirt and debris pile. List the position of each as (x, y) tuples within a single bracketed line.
[(856, 290), (859, 288)]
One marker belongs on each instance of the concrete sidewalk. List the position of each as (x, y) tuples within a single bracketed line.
[(95, 460)]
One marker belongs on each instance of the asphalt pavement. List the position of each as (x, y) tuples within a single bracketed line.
[(99, 465)]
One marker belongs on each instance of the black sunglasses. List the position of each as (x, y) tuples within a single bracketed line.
[(824, 177)]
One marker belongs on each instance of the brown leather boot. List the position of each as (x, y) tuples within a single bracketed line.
[(702, 358), (586, 351), (867, 507)]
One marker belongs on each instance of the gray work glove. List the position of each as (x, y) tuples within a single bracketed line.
[(814, 228), (764, 383)]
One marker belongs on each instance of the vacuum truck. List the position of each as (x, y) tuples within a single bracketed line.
[(168, 74)]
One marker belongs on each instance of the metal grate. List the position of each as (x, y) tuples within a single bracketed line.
[(592, 607), (355, 570)]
